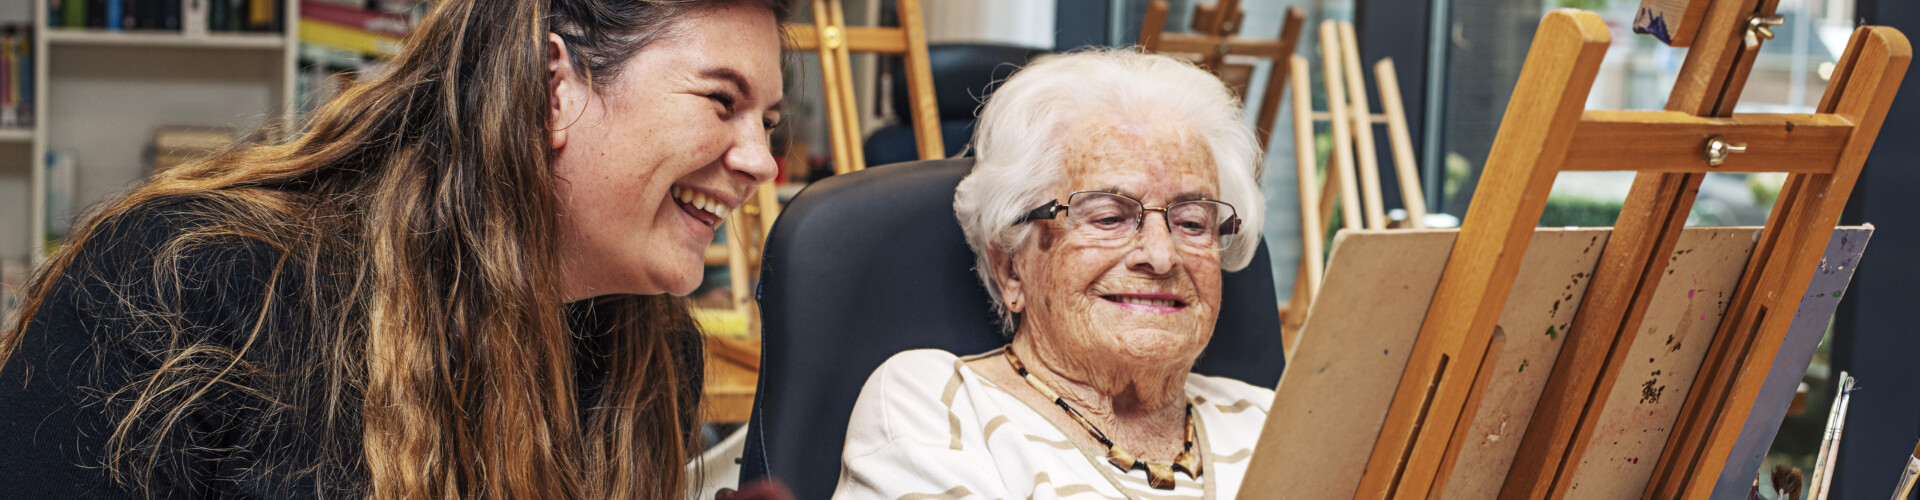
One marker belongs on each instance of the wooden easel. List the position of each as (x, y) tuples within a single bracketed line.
[(834, 40), (1216, 28), (1546, 130), (1351, 120)]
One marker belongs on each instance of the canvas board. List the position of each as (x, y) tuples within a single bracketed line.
[(1329, 407)]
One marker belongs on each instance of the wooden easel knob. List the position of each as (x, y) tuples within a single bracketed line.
[(1718, 149), (1761, 28)]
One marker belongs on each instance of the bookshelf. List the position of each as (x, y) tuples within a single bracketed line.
[(164, 39), (102, 93)]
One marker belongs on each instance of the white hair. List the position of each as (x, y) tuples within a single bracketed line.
[(1021, 139)]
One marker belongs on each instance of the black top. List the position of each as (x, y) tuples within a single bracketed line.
[(95, 335)]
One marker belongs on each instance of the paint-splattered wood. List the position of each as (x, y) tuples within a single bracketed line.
[(1663, 356), (1329, 408), (1545, 297)]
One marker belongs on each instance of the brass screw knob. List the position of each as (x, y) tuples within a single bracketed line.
[(1718, 149), (1761, 28), (832, 37)]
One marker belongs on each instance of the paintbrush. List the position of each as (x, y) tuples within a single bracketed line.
[(1830, 445), (1786, 483), (1907, 477)]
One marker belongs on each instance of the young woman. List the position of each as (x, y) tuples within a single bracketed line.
[(457, 281)]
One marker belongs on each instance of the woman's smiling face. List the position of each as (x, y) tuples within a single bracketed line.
[(1149, 301), (649, 165)]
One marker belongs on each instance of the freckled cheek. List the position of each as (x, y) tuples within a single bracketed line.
[(1206, 279)]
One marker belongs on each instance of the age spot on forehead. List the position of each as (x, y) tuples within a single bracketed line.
[(1141, 156)]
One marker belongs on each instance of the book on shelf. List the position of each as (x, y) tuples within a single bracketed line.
[(13, 288), (379, 23), (348, 39), (174, 145), (60, 197), (16, 76), (366, 32), (191, 17)]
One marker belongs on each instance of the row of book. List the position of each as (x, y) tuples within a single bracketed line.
[(191, 16), (371, 33), (16, 75)]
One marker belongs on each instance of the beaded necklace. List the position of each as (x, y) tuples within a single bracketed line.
[(1159, 474)]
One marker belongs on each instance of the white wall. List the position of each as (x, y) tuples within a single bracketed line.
[(1016, 22)]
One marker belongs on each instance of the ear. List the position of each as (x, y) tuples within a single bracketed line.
[(1012, 290), (567, 91)]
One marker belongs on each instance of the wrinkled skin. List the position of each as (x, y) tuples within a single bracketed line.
[(1123, 365)]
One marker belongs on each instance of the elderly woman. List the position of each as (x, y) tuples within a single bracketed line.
[(1112, 187)]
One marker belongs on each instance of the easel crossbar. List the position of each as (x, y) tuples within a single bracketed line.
[(1673, 141), (859, 39)]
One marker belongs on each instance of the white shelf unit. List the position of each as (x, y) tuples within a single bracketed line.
[(100, 94)]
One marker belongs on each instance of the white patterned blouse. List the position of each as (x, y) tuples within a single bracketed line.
[(928, 427)]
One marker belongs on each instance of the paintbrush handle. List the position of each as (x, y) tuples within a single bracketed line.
[(1907, 477), (1838, 425), (1826, 440)]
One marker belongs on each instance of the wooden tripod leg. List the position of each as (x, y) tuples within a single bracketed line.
[(1405, 167), (837, 85), (1361, 112), (1154, 25), (1527, 153), (1337, 117), (1312, 223), (1278, 78), (926, 109)]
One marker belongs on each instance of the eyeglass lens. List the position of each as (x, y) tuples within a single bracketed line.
[(1108, 217)]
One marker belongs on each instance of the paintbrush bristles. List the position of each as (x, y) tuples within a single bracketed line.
[(1786, 481)]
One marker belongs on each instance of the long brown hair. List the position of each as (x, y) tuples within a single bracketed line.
[(417, 212)]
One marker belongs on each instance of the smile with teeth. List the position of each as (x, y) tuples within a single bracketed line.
[(699, 200), (1125, 299)]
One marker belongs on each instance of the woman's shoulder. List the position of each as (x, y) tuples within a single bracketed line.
[(185, 227), (906, 398), (173, 257), (1228, 393), (914, 374)]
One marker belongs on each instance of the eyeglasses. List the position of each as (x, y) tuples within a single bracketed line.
[(1115, 219)]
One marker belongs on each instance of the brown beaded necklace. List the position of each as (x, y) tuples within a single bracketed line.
[(1159, 474)]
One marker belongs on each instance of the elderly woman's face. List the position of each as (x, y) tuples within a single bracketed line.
[(1150, 299)]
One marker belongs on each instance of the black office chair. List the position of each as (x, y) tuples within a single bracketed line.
[(868, 264)]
